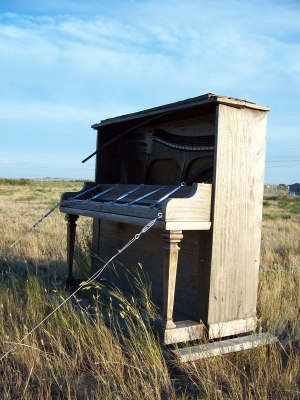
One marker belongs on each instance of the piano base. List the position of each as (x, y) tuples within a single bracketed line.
[(184, 331), (171, 328), (188, 330)]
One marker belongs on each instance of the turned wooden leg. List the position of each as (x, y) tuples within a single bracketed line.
[(171, 248), (71, 234)]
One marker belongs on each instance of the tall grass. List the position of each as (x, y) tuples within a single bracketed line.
[(74, 355), (17, 182)]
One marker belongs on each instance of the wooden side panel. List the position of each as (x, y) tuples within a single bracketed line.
[(237, 214)]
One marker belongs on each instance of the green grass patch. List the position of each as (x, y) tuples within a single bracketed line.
[(275, 216), (270, 216), (43, 190), (7, 192), (270, 197), (290, 203)]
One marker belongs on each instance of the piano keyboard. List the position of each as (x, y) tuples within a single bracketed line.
[(138, 203)]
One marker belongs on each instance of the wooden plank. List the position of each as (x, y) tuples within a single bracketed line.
[(230, 328), (184, 225), (184, 331), (231, 292), (219, 348)]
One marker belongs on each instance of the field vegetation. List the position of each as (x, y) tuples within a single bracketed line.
[(74, 355)]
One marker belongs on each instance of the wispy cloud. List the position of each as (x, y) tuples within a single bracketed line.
[(39, 111), (4, 161), (65, 57)]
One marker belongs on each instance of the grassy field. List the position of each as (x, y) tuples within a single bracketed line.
[(75, 356)]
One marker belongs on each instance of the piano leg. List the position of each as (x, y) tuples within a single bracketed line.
[(71, 234), (171, 248)]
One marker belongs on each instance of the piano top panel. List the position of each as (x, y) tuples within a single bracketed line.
[(199, 101)]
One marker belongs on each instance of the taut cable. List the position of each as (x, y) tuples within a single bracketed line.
[(83, 284)]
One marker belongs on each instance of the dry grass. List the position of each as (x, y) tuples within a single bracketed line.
[(75, 356)]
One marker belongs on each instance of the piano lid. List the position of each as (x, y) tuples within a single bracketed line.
[(209, 98)]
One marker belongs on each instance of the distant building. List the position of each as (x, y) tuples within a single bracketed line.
[(271, 189), (294, 189), (275, 189)]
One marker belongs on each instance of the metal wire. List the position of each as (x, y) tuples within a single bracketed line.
[(102, 193), (168, 194), (36, 224), (83, 284), (48, 213)]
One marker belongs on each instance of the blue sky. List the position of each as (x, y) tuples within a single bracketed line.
[(65, 65)]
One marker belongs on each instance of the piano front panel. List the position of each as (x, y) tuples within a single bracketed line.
[(146, 257)]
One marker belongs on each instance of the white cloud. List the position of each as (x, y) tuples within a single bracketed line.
[(72, 59), (5, 161), (155, 47), (39, 111), (108, 60)]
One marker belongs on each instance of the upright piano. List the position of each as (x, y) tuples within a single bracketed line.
[(199, 165)]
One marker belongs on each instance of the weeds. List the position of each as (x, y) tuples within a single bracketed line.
[(75, 356), (290, 203), (16, 182)]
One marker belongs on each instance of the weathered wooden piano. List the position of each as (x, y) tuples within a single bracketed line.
[(200, 162)]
